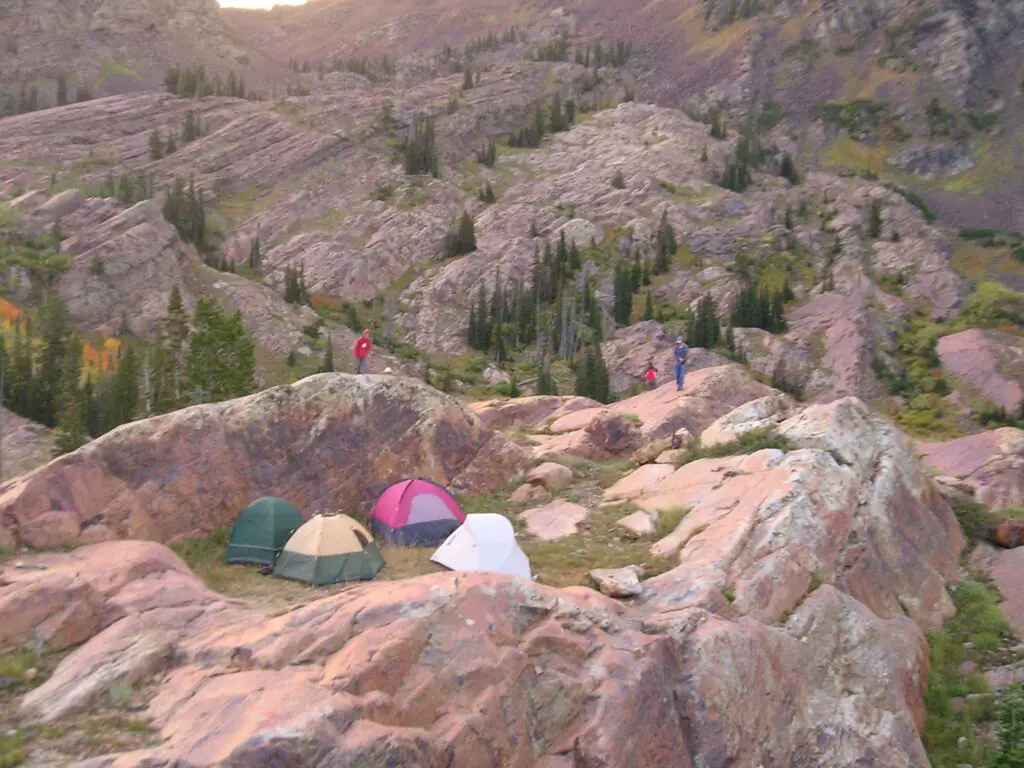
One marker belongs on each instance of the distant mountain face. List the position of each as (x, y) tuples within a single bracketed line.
[(105, 47), (929, 91)]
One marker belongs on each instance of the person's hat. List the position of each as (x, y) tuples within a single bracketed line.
[(679, 340), (366, 330)]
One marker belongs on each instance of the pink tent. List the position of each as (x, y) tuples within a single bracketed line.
[(415, 513)]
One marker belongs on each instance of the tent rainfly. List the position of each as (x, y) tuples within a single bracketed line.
[(415, 513), (259, 533), (484, 543), (327, 550)]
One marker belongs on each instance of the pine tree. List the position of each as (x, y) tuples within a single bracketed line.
[(622, 307), (463, 240), (172, 144), (488, 155), (421, 151), (295, 291), (875, 220), (56, 346), (255, 257), (788, 170), (62, 90), (718, 127), (467, 79), (575, 262), (328, 364), (667, 246), (221, 359), (125, 389), (156, 145), (486, 195), (71, 430), (545, 381), (648, 307), (705, 330)]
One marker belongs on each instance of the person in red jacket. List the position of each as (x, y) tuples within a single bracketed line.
[(361, 349)]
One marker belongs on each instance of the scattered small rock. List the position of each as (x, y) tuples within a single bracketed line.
[(967, 668), (31, 674), (670, 457), (650, 452), (619, 582), (550, 475), (527, 492), (636, 525), (554, 521)]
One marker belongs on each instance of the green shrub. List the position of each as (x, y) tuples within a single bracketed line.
[(1010, 728), (990, 305), (915, 200), (976, 633), (749, 442)]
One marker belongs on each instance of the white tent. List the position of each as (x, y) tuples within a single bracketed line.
[(484, 543)]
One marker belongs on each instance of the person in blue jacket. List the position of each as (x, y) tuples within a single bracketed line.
[(680, 351)]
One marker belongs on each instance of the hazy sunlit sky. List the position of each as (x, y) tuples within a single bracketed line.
[(257, 3)]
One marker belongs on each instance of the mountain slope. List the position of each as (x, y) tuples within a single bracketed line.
[(945, 76), (115, 46)]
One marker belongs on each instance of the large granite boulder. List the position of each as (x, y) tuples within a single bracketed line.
[(329, 442), (989, 463)]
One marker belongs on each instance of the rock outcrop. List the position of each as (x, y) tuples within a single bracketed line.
[(790, 632), (115, 45), (992, 366), (26, 445), (603, 432), (854, 491), (330, 442), (989, 463)]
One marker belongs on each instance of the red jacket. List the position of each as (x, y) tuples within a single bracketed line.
[(362, 347)]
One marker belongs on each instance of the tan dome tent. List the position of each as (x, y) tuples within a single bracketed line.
[(327, 550)]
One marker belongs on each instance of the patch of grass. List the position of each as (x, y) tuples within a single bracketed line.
[(600, 543), (668, 521), (915, 200), (848, 153), (12, 749), (978, 521), (977, 633), (9, 217), (858, 118), (205, 556), (89, 164), (329, 221), (110, 68), (749, 442)]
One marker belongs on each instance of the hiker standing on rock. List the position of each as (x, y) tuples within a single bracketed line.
[(361, 349), (680, 351), (651, 375)]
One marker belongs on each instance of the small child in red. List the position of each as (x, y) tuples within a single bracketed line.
[(651, 376)]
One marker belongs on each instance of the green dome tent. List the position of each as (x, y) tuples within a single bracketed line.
[(260, 532)]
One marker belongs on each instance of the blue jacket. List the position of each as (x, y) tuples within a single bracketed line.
[(681, 353)]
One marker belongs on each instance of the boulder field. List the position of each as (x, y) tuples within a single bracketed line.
[(790, 633)]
